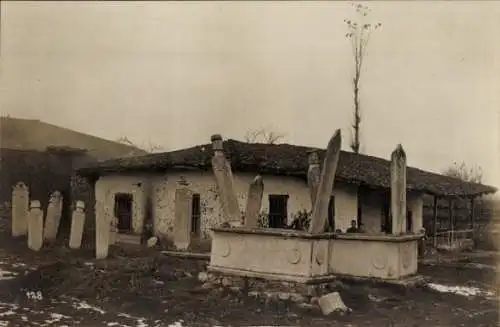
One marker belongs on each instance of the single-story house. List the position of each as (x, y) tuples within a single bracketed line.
[(44, 156), (141, 189)]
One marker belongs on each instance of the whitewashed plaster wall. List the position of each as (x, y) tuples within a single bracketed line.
[(346, 205), (161, 189), (203, 182), (371, 210), (415, 203), (106, 188)]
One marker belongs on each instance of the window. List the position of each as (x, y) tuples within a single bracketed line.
[(409, 220), (360, 205), (386, 226), (196, 214), (331, 214), (278, 211)]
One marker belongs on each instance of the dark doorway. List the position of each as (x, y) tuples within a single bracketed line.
[(196, 214), (386, 213), (66, 213), (409, 221), (123, 211), (359, 213), (331, 214), (278, 211)]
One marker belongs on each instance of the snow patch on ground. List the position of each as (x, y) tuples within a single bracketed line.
[(82, 305), (8, 305), (115, 324), (138, 320), (7, 313), (459, 290), (56, 317), (176, 324), (17, 265), (7, 275)]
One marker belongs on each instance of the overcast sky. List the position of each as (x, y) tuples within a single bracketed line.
[(177, 72)]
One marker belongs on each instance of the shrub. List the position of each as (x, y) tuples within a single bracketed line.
[(301, 220)]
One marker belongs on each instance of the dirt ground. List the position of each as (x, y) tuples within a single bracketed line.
[(145, 288)]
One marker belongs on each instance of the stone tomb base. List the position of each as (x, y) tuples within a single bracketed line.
[(296, 291), (309, 263)]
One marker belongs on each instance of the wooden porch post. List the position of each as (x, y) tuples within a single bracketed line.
[(450, 213), (434, 222), (451, 239), (472, 211)]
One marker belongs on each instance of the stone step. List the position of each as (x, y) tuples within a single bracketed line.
[(128, 239)]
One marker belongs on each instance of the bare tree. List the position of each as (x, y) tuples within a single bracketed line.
[(263, 135), (358, 32), (149, 146), (461, 171)]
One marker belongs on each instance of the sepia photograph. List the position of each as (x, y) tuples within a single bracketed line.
[(249, 163)]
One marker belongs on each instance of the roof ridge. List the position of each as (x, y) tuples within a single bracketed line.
[(292, 159)]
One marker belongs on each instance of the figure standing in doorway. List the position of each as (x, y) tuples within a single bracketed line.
[(353, 228)]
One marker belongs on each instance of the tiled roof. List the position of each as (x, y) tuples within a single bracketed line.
[(286, 159)]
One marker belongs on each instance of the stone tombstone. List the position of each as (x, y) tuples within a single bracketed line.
[(53, 216), (35, 226), (183, 213), (20, 209), (77, 223), (319, 214), (254, 202), (224, 180), (398, 190), (102, 229), (313, 174)]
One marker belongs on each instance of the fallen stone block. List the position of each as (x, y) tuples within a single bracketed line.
[(332, 302), (152, 241)]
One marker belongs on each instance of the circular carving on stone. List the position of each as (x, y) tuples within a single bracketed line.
[(293, 256), (405, 255), (379, 261), (225, 249)]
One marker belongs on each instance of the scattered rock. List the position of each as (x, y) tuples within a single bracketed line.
[(203, 277), (271, 296), (332, 302), (314, 300), (207, 285), (306, 306), (338, 284), (152, 241), (253, 293), (235, 288), (297, 298), (284, 296), (467, 245), (188, 274), (226, 281), (375, 298)]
